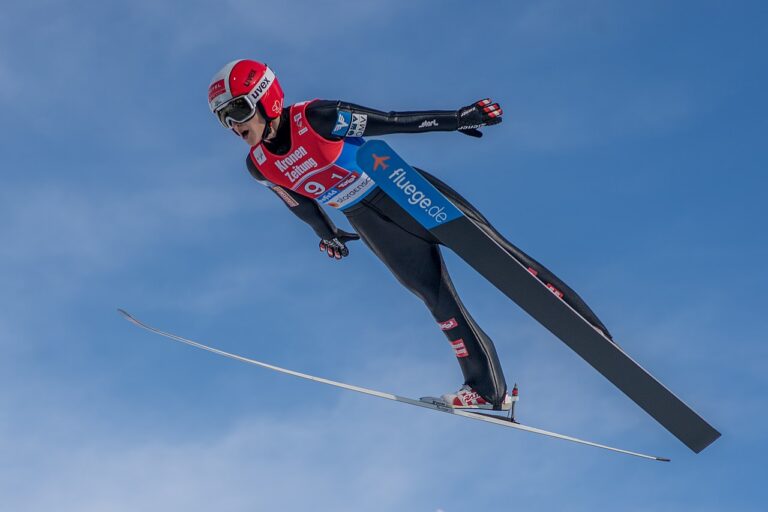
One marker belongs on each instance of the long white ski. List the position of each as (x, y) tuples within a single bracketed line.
[(435, 406)]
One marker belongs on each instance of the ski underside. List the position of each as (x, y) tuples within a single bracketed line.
[(434, 405), (409, 189)]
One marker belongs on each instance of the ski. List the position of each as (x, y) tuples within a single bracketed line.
[(434, 405), (409, 189)]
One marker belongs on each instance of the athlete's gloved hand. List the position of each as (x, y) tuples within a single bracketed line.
[(481, 113), (336, 247)]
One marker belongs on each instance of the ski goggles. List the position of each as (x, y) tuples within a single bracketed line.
[(236, 110)]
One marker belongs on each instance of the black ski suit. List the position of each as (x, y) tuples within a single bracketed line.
[(408, 249)]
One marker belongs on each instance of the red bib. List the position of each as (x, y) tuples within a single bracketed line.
[(310, 167)]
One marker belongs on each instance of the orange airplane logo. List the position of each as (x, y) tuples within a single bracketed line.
[(379, 160)]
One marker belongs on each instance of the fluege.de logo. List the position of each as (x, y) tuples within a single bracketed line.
[(406, 186), (416, 197)]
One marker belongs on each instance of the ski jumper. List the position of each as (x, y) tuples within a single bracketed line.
[(311, 162)]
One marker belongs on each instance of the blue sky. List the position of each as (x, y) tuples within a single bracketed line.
[(631, 161)]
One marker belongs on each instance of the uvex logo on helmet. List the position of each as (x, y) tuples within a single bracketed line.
[(251, 76), (263, 86)]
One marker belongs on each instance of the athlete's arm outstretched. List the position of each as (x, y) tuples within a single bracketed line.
[(332, 239), (338, 119)]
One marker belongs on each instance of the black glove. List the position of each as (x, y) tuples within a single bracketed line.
[(481, 113), (336, 247)]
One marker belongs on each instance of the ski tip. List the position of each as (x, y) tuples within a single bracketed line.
[(663, 459)]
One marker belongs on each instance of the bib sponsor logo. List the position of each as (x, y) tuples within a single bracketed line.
[(448, 324), (328, 196), (357, 126), (291, 202), (258, 154), (284, 163), (428, 124), (342, 123), (363, 184), (299, 120), (416, 197), (292, 166), (406, 186), (344, 184)]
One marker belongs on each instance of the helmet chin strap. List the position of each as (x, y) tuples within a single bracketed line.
[(268, 126), (267, 130)]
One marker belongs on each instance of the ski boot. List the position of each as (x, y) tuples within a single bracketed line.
[(468, 398)]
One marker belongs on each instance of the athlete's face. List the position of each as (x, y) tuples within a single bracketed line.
[(251, 130)]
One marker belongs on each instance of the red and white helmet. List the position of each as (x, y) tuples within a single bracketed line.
[(241, 87)]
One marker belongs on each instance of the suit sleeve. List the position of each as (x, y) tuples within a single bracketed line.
[(337, 119), (304, 208)]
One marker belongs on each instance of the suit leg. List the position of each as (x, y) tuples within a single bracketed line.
[(413, 256)]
